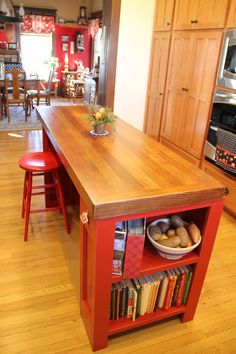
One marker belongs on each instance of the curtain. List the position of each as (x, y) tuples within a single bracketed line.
[(38, 24)]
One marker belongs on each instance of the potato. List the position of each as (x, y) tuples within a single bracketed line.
[(171, 233), (163, 237), (176, 221), (194, 232), (155, 230), (164, 226), (173, 242), (156, 236), (184, 236)]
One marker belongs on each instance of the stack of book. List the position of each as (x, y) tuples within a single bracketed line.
[(147, 294), (128, 247)]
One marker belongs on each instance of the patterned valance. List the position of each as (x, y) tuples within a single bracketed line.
[(38, 24)]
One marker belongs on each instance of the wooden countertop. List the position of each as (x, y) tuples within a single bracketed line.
[(126, 172)]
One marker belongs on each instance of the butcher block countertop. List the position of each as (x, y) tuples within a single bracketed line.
[(125, 172)]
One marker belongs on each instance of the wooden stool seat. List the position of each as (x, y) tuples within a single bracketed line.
[(40, 164)]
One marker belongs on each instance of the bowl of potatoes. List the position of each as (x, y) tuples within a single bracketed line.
[(173, 237)]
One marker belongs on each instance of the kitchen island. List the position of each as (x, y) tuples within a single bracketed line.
[(122, 176)]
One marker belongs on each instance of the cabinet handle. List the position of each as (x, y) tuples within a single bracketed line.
[(168, 23), (184, 89), (160, 93), (194, 21)]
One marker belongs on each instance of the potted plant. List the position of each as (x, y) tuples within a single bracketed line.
[(100, 117)]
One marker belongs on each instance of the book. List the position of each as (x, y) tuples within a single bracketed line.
[(143, 282), (177, 285), (113, 303), (119, 252), (124, 299), (135, 298), (151, 292), (187, 285), (162, 291), (138, 289), (130, 301), (117, 287), (134, 247), (157, 278), (170, 289), (184, 273)]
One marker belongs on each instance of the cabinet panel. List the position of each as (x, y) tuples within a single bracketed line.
[(188, 97), (200, 14), (231, 22), (177, 81), (163, 15), (157, 79)]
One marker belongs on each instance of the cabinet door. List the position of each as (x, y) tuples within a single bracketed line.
[(177, 81), (163, 15), (231, 22), (200, 14), (187, 103), (156, 86)]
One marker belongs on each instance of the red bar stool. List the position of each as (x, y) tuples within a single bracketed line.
[(39, 164)]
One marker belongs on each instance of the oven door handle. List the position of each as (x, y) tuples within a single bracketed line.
[(226, 44)]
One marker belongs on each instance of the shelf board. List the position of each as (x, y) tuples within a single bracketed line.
[(124, 324), (71, 25), (152, 262)]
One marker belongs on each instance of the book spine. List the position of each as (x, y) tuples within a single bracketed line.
[(169, 293), (181, 289), (138, 289), (135, 297), (124, 301), (113, 303), (177, 285), (130, 303), (186, 290)]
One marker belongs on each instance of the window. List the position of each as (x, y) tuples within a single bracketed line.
[(35, 49)]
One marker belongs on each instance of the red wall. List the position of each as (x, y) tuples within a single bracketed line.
[(85, 56)]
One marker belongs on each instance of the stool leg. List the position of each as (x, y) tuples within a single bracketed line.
[(27, 206), (24, 194), (61, 200)]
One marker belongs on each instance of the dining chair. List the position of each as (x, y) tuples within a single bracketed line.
[(14, 89), (38, 94)]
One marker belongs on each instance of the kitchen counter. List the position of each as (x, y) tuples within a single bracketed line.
[(125, 172)]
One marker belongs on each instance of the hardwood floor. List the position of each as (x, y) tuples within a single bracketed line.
[(39, 310)]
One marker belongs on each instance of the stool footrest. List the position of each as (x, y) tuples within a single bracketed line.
[(44, 186), (44, 209)]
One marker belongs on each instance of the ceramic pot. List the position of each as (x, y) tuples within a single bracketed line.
[(100, 129)]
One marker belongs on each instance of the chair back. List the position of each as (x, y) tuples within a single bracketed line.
[(15, 79), (50, 78)]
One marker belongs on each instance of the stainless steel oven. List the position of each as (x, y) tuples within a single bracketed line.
[(227, 68), (220, 146)]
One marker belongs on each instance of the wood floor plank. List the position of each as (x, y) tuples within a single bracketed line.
[(39, 310)]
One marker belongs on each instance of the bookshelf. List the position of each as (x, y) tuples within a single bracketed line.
[(127, 176), (206, 215)]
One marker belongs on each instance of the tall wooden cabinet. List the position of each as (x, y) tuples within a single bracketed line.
[(190, 82), (180, 118), (157, 80)]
